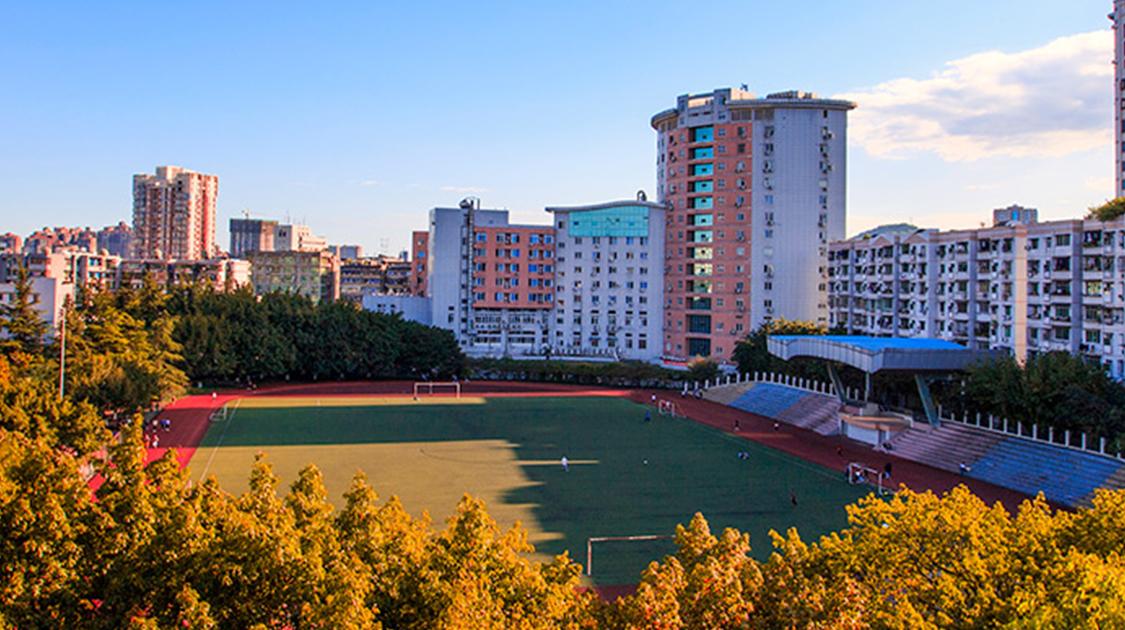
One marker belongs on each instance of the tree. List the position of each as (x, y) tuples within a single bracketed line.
[(1108, 211), (752, 354), (701, 369), (1056, 389), (709, 583), (20, 319)]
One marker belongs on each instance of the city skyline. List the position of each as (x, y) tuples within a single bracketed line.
[(314, 122)]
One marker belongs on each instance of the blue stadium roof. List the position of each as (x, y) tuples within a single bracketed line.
[(872, 354)]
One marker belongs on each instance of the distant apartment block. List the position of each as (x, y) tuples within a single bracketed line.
[(609, 280), (174, 215), (116, 240), (1022, 285), (47, 240), (756, 190), (298, 238), (314, 274), (10, 243), (346, 252), (381, 274), (251, 235), (224, 274), (56, 276)]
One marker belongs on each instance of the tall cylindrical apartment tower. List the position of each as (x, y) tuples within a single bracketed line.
[(1118, 18), (756, 189)]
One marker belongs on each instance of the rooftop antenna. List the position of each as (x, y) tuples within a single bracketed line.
[(246, 213)]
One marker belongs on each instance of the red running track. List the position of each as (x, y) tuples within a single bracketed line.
[(190, 419)]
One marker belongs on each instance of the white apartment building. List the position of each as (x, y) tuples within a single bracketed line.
[(1021, 285), (609, 280)]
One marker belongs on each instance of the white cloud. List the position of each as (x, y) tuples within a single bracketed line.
[(465, 190), (1044, 102), (371, 183)]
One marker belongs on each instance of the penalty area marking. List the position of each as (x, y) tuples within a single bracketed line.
[(215, 448)]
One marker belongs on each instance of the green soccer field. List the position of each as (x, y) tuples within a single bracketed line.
[(626, 477)]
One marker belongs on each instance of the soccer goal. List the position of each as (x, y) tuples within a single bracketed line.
[(669, 408), (859, 473), (616, 539), (427, 387)]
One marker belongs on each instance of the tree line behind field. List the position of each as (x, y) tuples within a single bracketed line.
[(130, 349)]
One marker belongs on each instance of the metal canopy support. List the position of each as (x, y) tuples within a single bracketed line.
[(927, 400), (837, 382)]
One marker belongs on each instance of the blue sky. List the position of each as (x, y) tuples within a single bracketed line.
[(357, 118)]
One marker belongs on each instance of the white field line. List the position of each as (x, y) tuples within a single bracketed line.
[(215, 448)]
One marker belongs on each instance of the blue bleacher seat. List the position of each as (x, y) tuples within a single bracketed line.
[(767, 399), (1063, 475)]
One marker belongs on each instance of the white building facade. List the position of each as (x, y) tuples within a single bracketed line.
[(1020, 285), (609, 280)]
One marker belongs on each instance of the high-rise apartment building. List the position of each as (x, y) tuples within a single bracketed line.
[(1118, 18), (609, 279), (251, 235), (756, 190), (174, 214), (1020, 285)]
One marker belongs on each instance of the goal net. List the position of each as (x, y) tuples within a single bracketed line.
[(428, 388), (860, 474), (668, 408), (633, 552)]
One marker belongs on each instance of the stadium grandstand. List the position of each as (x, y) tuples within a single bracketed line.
[(1065, 467)]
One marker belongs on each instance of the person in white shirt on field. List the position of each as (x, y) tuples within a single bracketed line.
[(565, 464)]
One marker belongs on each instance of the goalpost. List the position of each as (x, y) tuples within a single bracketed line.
[(668, 408), (859, 473), (600, 539), (429, 386)]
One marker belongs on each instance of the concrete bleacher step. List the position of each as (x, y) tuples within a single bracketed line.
[(945, 447), (726, 394), (814, 412), (1116, 481), (1061, 474)]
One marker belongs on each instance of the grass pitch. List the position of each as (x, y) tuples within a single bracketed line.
[(626, 477)]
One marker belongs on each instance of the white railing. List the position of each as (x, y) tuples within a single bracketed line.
[(812, 386), (1017, 430)]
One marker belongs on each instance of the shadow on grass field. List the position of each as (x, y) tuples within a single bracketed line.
[(626, 476)]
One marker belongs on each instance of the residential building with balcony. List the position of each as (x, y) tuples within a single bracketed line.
[(174, 215), (756, 190), (314, 274), (1022, 285), (251, 235)]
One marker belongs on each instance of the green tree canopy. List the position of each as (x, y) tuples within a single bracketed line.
[(1108, 211)]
